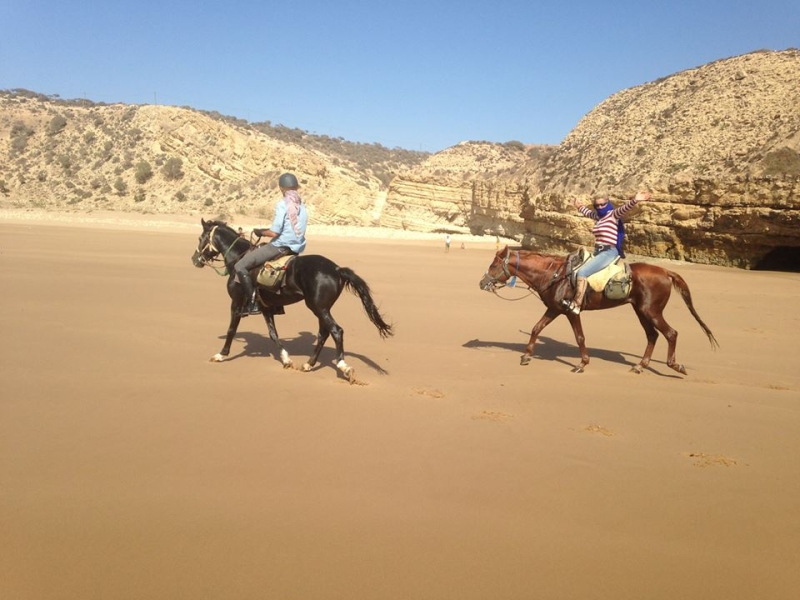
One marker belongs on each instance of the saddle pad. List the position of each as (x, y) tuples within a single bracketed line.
[(597, 281)]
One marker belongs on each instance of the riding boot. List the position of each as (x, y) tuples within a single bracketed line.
[(574, 305), (249, 304), (577, 300)]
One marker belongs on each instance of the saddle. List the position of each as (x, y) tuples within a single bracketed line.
[(614, 281), (272, 274)]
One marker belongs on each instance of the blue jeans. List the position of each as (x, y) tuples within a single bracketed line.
[(600, 260)]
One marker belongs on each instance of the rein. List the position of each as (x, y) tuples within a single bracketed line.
[(210, 246), (512, 279)]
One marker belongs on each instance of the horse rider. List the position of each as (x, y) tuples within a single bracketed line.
[(609, 234), (288, 233)]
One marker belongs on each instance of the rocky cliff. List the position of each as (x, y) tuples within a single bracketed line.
[(475, 187), (718, 146)]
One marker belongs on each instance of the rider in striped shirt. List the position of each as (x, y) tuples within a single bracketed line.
[(608, 236)]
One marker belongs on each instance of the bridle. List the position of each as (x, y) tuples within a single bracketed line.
[(209, 254), (496, 282), (511, 280)]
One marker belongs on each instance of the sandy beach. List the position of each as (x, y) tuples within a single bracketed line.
[(132, 467)]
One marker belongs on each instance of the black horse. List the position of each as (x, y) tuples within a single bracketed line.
[(315, 279)]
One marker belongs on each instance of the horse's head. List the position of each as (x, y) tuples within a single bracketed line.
[(218, 238), (497, 274), (205, 251)]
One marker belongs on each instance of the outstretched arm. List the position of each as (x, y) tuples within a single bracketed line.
[(585, 211), (640, 197)]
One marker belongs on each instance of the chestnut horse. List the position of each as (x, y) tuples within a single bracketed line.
[(547, 275), (315, 279)]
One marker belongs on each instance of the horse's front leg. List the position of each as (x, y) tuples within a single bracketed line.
[(580, 339), (233, 326), (286, 360), (549, 315)]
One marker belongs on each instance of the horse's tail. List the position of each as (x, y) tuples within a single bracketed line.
[(358, 286), (680, 284)]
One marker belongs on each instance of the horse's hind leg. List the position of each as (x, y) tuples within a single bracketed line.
[(672, 341), (651, 333), (286, 360), (329, 327), (652, 325), (322, 337)]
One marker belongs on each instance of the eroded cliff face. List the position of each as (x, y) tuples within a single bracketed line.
[(734, 223), (475, 187), (717, 146)]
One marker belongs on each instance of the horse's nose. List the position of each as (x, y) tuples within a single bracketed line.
[(196, 260), (486, 283)]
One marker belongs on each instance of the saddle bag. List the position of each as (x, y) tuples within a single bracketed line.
[(619, 286), (271, 274)]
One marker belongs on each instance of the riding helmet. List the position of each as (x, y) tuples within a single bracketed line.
[(288, 180)]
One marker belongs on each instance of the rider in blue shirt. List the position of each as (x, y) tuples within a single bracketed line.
[(288, 233)]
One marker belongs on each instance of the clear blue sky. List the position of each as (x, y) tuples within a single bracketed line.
[(421, 75)]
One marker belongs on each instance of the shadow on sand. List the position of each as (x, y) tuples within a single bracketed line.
[(549, 349), (299, 348)]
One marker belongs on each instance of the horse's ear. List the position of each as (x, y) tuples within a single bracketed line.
[(203, 222)]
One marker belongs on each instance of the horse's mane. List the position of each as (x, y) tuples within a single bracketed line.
[(525, 252), (227, 233), (224, 228), (223, 224)]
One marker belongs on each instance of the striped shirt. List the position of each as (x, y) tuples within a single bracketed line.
[(606, 230)]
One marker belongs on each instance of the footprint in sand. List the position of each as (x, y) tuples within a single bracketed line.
[(430, 393), (600, 430), (701, 459), (491, 415)]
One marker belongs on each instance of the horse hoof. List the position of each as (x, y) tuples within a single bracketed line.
[(216, 358), (578, 369), (288, 364), (636, 369), (306, 368), (525, 360), (681, 369)]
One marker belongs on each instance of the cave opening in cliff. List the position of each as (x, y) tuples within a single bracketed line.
[(782, 258)]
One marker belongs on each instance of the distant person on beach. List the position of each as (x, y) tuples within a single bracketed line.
[(447, 243), (288, 233), (609, 234)]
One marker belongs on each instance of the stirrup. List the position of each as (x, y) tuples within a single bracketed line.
[(570, 306), (251, 308)]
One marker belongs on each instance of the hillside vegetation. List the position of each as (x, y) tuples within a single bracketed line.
[(717, 145)]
